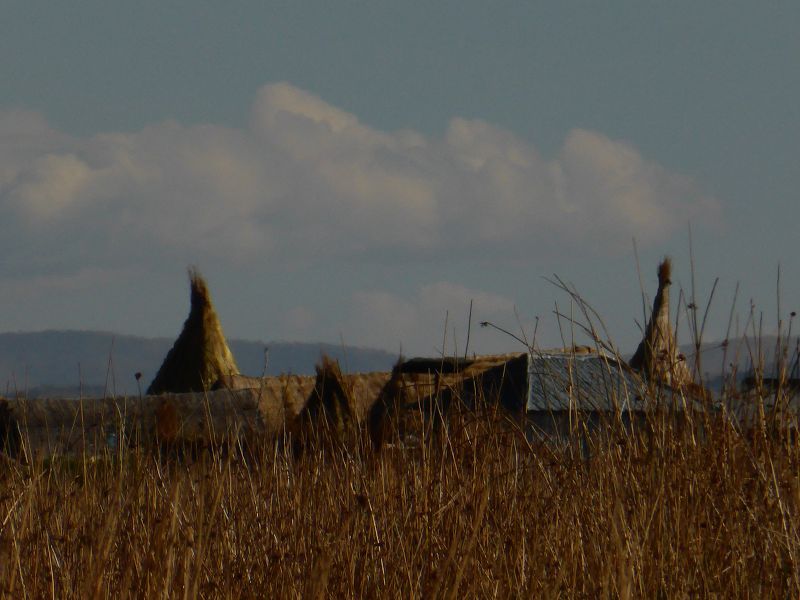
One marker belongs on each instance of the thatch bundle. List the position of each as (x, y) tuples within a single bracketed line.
[(200, 355), (657, 356), (331, 404), (422, 390), (411, 401), (338, 403)]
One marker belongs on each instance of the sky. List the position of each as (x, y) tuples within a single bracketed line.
[(360, 172)]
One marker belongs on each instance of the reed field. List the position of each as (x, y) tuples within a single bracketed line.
[(473, 509)]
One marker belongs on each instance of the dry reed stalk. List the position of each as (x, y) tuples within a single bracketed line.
[(478, 510)]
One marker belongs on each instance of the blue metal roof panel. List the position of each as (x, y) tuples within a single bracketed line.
[(558, 382)]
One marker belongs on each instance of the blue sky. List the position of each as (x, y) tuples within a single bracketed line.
[(358, 171)]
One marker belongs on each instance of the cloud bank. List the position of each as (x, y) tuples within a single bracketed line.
[(307, 180)]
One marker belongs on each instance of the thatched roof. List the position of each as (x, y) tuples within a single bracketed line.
[(420, 378), (288, 393), (428, 386), (296, 390), (47, 426), (365, 389), (462, 367), (338, 403), (201, 355), (331, 402), (657, 356)]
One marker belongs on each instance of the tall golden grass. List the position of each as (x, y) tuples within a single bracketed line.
[(473, 510)]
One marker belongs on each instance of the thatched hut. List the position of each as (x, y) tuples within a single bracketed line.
[(46, 427), (201, 355)]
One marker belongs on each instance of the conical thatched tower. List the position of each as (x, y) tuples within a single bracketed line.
[(200, 355), (331, 401), (657, 355)]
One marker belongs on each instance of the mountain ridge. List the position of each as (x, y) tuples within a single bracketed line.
[(70, 362), (89, 363)]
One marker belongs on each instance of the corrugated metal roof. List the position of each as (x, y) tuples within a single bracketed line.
[(558, 382)]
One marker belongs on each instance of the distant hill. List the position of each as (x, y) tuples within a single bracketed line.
[(67, 363), (62, 363), (739, 354)]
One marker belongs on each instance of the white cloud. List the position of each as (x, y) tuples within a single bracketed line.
[(308, 180), (51, 185), (608, 185)]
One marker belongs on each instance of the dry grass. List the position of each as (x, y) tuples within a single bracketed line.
[(473, 511)]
